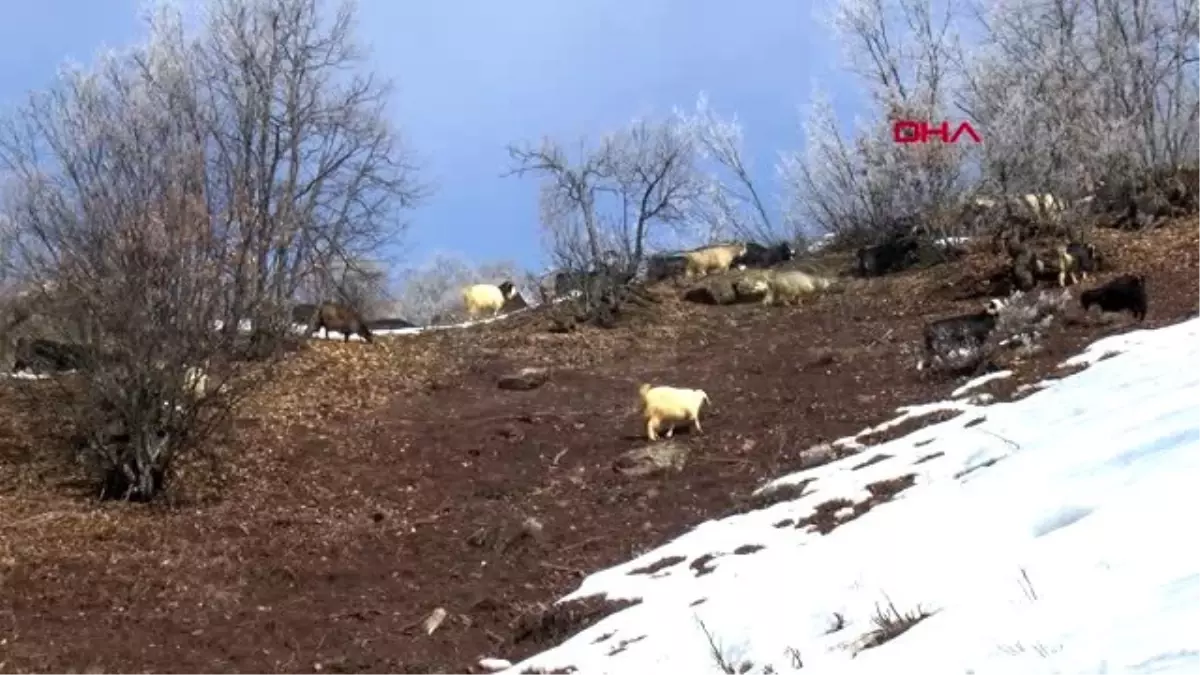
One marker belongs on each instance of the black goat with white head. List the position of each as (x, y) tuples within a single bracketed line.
[(966, 331), (758, 256)]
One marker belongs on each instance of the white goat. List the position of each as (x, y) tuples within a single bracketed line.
[(788, 287), (481, 298), (195, 381), (670, 405)]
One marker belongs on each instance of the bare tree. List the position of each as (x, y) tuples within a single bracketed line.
[(618, 196), (1074, 92), (305, 167), (735, 203), (189, 180), (602, 213), (869, 185)]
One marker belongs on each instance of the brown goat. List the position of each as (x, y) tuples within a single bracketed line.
[(336, 317)]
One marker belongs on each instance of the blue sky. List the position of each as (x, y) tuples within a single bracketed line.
[(473, 75)]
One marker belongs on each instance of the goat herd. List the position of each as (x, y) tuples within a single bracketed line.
[(664, 405)]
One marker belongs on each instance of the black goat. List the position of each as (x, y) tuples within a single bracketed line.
[(1085, 256), (1126, 293), (659, 267), (513, 302), (591, 283), (42, 355), (890, 256), (335, 317), (963, 331), (758, 256), (303, 313)]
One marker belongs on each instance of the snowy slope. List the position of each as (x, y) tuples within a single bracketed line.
[(1052, 537)]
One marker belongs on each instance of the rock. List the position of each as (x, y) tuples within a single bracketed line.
[(750, 288), (715, 292), (730, 289), (524, 379), (493, 665), (652, 459), (435, 619)]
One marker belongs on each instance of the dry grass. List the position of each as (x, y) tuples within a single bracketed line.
[(890, 623), (908, 426), (830, 515)]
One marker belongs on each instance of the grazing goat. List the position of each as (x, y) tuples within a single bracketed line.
[(789, 287), (548, 285), (893, 255), (195, 381), (1044, 206), (660, 267), (1126, 293), (48, 355), (303, 313), (758, 256), (336, 317), (514, 302), (560, 283), (1086, 258), (966, 330), (1067, 265), (670, 405), (712, 259), (481, 298), (1074, 261)]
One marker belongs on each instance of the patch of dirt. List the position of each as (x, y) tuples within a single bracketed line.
[(874, 460), (545, 626), (776, 495), (908, 426), (659, 565), (701, 565), (348, 493), (830, 515)]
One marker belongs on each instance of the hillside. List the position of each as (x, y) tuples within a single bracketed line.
[(1037, 537), (369, 485)]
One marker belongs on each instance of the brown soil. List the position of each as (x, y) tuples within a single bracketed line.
[(369, 485)]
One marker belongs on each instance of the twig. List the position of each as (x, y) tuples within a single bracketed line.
[(726, 460), (1012, 444), (581, 544), (562, 568), (717, 654)]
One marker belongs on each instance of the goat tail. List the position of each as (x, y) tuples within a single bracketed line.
[(643, 390)]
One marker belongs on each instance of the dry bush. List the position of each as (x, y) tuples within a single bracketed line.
[(891, 623)]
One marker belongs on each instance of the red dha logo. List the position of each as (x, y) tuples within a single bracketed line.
[(913, 131)]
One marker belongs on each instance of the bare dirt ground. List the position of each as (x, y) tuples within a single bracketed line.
[(370, 485)]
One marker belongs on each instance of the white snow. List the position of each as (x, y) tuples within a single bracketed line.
[(1053, 536), (980, 381)]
